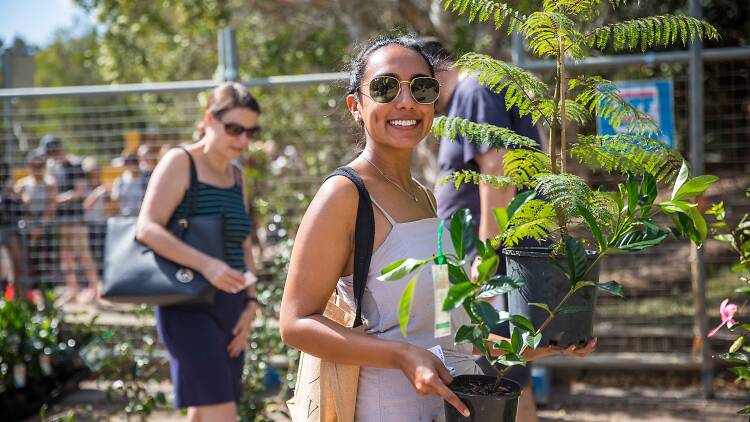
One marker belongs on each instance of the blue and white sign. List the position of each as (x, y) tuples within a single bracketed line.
[(653, 97)]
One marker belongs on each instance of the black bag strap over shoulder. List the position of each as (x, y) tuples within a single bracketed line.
[(193, 188), (364, 236)]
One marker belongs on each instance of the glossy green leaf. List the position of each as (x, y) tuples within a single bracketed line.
[(486, 313), (511, 360), (647, 193), (613, 288), (577, 258), (462, 232), (501, 218), (741, 372), (457, 274), (632, 188), (593, 225), (498, 285), (457, 294), (743, 289), (404, 305), (487, 268), (682, 177), (519, 200), (694, 187), (505, 346), (516, 341), (737, 344), (744, 411), (642, 234), (734, 357), (467, 334), (404, 268), (581, 284), (522, 322), (532, 340)]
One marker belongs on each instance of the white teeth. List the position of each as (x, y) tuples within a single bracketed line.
[(403, 122)]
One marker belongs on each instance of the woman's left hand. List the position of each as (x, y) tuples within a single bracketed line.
[(242, 329)]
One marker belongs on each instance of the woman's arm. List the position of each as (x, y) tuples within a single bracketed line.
[(165, 190)]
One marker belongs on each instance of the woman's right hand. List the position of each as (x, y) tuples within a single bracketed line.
[(429, 375), (223, 277)]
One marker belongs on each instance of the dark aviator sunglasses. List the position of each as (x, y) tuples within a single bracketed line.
[(384, 89)]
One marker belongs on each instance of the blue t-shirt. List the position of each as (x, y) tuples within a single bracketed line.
[(475, 102)]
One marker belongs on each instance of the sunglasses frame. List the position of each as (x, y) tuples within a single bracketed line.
[(250, 132), (411, 82)]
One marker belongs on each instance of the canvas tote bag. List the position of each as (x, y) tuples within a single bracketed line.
[(327, 391)]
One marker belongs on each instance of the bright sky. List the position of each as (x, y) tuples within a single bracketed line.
[(36, 20)]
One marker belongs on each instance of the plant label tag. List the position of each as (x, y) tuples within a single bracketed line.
[(441, 285)]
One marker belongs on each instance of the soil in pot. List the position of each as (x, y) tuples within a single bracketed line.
[(486, 400), (545, 283)]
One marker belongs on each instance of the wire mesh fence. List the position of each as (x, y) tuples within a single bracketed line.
[(109, 144)]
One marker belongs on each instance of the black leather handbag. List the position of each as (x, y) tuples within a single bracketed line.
[(133, 273)]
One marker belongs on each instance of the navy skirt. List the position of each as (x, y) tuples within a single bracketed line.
[(196, 337)]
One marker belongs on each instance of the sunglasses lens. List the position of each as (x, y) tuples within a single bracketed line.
[(233, 129), (253, 132), (425, 90), (384, 89)]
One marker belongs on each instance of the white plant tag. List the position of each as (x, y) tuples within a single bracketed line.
[(441, 285), (438, 351)]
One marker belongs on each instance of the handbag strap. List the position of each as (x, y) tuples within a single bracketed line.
[(193, 189), (364, 236)]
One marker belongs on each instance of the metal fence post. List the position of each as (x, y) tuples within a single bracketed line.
[(698, 266), (228, 62)]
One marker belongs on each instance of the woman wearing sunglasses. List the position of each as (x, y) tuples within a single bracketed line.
[(392, 93), (206, 342)]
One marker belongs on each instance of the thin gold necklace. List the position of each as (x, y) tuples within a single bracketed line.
[(413, 196)]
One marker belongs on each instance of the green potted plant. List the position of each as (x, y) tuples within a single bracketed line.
[(552, 283), (738, 239)]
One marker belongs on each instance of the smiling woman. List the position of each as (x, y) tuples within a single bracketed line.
[(392, 94)]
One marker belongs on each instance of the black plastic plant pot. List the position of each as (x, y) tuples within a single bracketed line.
[(545, 283), (499, 407)]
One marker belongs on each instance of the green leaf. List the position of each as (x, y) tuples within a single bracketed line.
[(542, 306), (741, 372), (613, 288), (593, 225), (487, 268), (734, 357), (404, 305), (641, 235), (501, 218), (462, 232), (632, 187), (505, 345), (577, 258), (400, 269), (682, 177), (694, 187), (457, 274), (487, 314), (499, 284), (743, 289), (516, 341), (744, 411), (647, 193), (467, 334), (737, 344), (519, 200), (522, 322), (698, 230), (511, 360), (532, 340), (457, 294), (581, 284), (574, 309)]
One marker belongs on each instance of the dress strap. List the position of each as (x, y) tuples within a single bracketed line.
[(427, 194), (385, 213)]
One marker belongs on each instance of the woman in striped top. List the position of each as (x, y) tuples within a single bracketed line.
[(206, 342)]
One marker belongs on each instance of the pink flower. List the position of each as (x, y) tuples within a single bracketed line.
[(727, 311)]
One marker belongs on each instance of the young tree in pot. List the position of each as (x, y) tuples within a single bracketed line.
[(559, 203)]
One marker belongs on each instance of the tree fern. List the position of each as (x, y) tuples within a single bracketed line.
[(534, 219), (524, 165), (470, 176), (636, 154), (498, 137), (546, 30), (601, 96), (650, 31), (484, 10), (522, 88)]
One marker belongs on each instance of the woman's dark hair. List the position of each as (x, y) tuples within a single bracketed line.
[(228, 96), (359, 63)]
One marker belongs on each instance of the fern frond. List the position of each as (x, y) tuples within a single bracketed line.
[(469, 176), (565, 191), (542, 30), (624, 153), (650, 31), (573, 111), (524, 165), (481, 133), (522, 89), (484, 10), (604, 209), (601, 96), (534, 219), (581, 8)]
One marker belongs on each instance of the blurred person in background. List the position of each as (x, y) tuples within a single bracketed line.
[(95, 209), (129, 187), (37, 192), (206, 342), (73, 232), (148, 158), (13, 268)]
